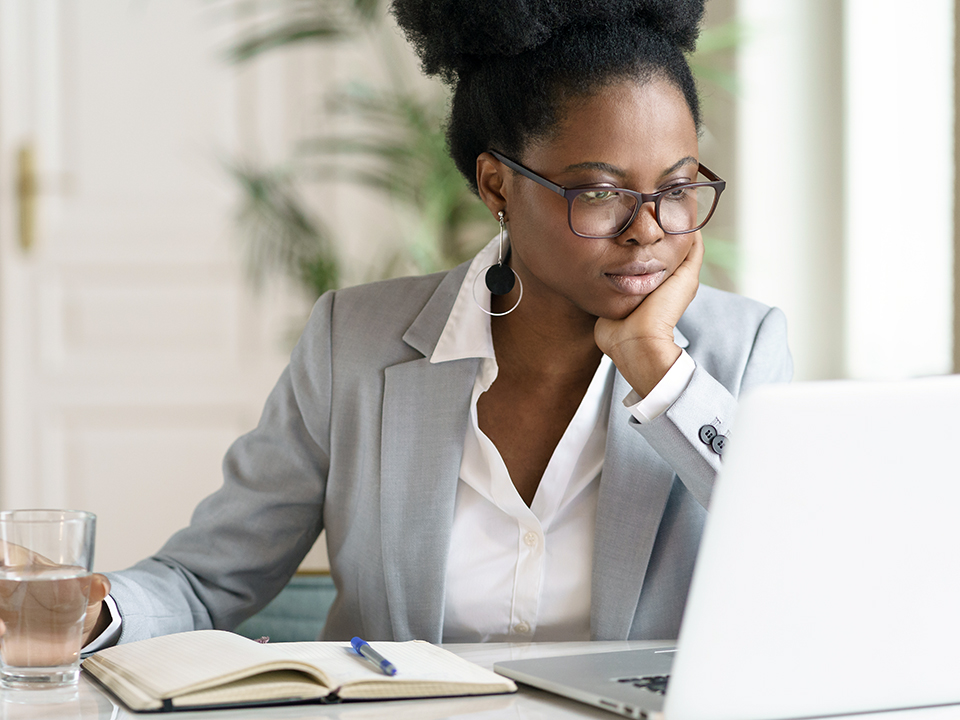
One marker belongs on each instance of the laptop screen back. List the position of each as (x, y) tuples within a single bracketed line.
[(829, 574)]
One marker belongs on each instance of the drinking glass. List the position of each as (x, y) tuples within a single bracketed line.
[(44, 588)]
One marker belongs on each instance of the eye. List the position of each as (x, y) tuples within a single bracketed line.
[(599, 197), (678, 193)]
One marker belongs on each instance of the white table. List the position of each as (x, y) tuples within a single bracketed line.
[(88, 702)]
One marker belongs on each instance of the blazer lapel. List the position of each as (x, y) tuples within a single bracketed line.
[(635, 485), (425, 412)]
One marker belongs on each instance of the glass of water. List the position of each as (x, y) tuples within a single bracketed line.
[(45, 578)]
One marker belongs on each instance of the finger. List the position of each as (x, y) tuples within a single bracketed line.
[(15, 555), (679, 290), (697, 251), (669, 301), (99, 588), (689, 269)]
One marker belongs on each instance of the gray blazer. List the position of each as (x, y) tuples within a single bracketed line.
[(362, 436)]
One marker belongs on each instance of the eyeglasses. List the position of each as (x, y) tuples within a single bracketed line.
[(606, 212)]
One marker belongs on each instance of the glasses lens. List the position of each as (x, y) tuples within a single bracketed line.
[(601, 213), (605, 213), (685, 208)]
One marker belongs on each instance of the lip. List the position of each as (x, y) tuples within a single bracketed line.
[(637, 278)]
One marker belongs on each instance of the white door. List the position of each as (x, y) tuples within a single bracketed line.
[(131, 352)]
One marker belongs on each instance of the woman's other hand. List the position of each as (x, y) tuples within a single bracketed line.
[(641, 345)]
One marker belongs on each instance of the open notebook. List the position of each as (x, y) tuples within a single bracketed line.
[(214, 668)]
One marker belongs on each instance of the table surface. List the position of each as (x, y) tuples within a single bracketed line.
[(88, 702)]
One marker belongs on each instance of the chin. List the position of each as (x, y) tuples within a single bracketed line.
[(619, 310)]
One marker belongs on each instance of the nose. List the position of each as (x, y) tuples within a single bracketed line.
[(644, 230)]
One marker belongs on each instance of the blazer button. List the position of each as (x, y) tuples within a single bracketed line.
[(707, 434), (718, 443)]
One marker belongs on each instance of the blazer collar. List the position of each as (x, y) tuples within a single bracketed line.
[(424, 333)]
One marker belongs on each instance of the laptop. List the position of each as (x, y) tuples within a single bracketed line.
[(828, 578)]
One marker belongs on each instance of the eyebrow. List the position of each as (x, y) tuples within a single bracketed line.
[(614, 170), (602, 166)]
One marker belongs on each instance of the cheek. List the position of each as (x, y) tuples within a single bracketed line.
[(561, 259), (539, 231), (674, 250), (535, 211)]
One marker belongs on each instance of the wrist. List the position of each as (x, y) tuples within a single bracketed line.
[(645, 365)]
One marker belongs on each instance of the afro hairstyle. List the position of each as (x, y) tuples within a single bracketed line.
[(513, 64)]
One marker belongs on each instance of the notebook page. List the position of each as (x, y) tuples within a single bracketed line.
[(164, 665), (277, 685), (415, 661)]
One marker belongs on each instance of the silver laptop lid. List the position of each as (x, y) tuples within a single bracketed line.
[(829, 574)]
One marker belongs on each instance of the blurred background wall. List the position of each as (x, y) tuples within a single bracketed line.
[(178, 179)]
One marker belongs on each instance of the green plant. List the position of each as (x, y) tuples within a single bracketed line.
[(279, 235)]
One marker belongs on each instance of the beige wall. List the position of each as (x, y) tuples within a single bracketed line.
[(843, 108)]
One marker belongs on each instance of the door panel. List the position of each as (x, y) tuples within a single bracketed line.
[(133, 353)]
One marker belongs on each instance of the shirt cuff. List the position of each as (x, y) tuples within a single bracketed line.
[(664, 393), (111, 633)]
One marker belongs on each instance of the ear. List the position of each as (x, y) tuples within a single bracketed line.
[(493, 182)]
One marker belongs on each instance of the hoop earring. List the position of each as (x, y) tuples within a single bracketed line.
[(499, 279)]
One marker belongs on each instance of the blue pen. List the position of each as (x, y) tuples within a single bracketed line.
[(363, 647)]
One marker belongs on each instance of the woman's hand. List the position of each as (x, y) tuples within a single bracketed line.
[(96, 588), (641, 345)]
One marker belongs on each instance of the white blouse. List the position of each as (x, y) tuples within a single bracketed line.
[(518, 573)]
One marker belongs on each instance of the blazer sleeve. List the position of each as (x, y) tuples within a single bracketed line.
[(710, 399), (246, 540)]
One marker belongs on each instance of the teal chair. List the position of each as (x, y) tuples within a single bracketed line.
[(297, 613)]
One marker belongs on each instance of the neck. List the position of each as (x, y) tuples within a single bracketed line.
[(546, 340)]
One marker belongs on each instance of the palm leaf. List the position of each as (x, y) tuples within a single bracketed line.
[(313, 30), (279, 235)]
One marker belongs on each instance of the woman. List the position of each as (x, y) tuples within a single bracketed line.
[(524, 447)]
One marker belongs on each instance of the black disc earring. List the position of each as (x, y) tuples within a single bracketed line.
[(500, 279)]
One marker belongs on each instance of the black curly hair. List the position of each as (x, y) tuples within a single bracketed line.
[(513, 64)]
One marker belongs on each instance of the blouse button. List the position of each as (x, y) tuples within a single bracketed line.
[(531, 538), (521, 628)]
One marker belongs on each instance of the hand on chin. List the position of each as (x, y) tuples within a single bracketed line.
[(640, 342)]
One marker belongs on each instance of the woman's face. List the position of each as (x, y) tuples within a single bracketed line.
[(629, 135)]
